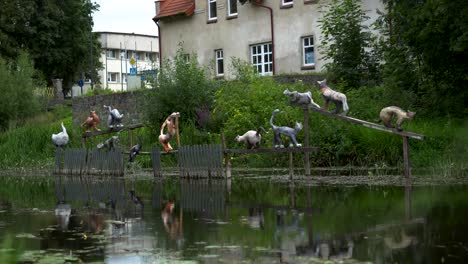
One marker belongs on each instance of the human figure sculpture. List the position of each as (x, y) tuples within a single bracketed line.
[(115, 118), (91, 122), (170, 122)]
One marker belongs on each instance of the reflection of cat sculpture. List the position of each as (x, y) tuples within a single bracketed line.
[(387, 114), (251, 138), (301, 99), (288, 131), (339, 99)]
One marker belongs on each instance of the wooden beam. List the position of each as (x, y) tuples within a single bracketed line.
[(111, 130), (368, 124), (273, 150)]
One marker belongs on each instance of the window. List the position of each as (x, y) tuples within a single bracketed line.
[(152, 56), (212, 10), (111, 54), (308, 58), (186, 58), (219, 62), (130, 54), (124, 77), (112, 76), (140, 55), (232, 8), (286, 3), (261, 58)]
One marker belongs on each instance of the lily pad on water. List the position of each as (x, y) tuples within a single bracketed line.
[(25, 235), (44, 257)]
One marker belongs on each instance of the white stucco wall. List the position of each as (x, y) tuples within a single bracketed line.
[(121, 42), (252, 26)]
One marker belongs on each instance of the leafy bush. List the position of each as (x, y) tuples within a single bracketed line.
[(182, 86), (18, 100)]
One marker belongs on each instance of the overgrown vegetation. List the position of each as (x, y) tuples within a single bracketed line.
[(211, 107), (18, 100)]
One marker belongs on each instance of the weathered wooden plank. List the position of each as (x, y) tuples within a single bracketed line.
[(368, 124), (156, 161)]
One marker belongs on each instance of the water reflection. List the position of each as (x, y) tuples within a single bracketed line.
[(120, 220)]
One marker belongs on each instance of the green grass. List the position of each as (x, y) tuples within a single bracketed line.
[(443, 152)]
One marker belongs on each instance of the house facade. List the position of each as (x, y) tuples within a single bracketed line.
[(276, 36), (125, 55)]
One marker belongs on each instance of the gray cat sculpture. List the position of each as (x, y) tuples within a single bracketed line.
[(301, 99), (284, 130)]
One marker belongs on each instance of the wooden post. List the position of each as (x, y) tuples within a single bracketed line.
[(306, 142), (408, 214), (177, 131), (406, 158), (227, 162), (291, 171), (131, 138)]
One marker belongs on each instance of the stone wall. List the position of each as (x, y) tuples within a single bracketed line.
[(127, 103), (308, 79)]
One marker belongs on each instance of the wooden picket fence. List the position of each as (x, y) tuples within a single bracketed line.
[(79, 161), (201, 161)]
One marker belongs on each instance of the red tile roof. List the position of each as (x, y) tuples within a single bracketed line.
[(175, 7)]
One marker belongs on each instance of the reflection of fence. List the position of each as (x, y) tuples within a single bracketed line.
[(90, 189), (203, 196), (79, 162), (201, 161)]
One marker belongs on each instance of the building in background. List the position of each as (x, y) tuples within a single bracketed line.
[(276, 36), (119, 51)]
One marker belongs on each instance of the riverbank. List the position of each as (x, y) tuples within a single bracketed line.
[(278, 175)]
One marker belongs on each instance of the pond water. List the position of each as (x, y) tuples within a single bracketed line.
[(126, 220)]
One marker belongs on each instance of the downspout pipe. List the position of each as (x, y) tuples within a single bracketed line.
[(254, 2), (159, 43)]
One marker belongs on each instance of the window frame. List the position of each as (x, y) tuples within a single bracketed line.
[(212, 9), (229, 13), (304, 63), (287, 4), (217, 60), (109, 77), (259, 55), (111, 54)]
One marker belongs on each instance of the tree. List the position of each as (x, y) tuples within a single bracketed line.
[(18, 83), (182, 86), (56, 34), (347, 42), (425, 52)]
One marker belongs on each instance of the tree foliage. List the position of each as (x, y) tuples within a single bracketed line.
[(425, 51), (18, 100), (347, 43), (56, 34), (182, 86)]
